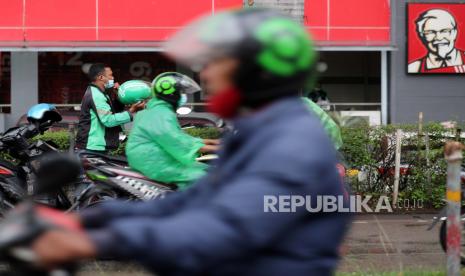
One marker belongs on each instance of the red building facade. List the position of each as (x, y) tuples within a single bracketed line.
[(45, 23)]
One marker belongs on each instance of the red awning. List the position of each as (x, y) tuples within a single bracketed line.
[(147, 23)]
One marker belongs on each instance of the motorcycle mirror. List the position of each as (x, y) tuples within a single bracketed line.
[(54, 171), (184, 110)]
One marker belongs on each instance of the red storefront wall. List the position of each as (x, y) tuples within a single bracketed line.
[(46, 22)]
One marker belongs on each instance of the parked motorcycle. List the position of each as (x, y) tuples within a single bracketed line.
[(16, 179), (114, 180), (108, 177), (23, 225)]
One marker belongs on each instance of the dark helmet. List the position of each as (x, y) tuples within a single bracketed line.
[(276, 54), (172, 87)]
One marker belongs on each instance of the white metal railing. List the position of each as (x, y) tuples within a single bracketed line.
[(2, 106), (355, 104), (332, 105), (67, 105)]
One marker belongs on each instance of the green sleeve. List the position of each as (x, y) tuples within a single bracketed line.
[(166, 132), (330, 126), (104, 113)]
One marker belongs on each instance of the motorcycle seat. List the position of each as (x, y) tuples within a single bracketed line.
[(127, 172), (119, 159)]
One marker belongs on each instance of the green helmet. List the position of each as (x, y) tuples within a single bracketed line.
[(276, 54), (172, 87), (134, 91)]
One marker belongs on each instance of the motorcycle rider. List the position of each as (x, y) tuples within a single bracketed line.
[(253, 63), (330, 126), (157, 146), (99, 121)]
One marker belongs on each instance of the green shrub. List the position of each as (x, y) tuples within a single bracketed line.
[(60, 138), (204, 132), (370, 148), (121, 150), (366, 149), (6, 157)]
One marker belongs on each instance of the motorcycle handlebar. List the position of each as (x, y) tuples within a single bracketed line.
[(30, 130), (21, 228), (18, 137), (35, 129)]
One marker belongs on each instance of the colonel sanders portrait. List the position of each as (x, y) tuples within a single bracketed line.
[(437, 30)]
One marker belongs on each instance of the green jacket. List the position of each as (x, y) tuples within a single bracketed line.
[(100, 121), (330, 126), (160, 149)]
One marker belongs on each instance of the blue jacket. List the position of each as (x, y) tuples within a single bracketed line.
[(219, 227)]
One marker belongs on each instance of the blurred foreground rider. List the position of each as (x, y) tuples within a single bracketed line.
[(100, 120), (253, 63)]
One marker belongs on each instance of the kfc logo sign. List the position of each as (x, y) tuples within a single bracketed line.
[(436, 38)]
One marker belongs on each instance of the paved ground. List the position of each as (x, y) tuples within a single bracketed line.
[(112, 269), (375, 243), (392, 243)]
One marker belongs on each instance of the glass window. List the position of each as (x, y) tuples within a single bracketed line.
[(351, 86), (62, 78)]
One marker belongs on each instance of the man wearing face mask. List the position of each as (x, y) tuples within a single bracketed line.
[(100, 122), (157, 146)]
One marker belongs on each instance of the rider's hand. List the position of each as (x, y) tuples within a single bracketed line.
[(65, 243), (211, 141), (62, 220), (136, 107), (209, 149), (56, 247)]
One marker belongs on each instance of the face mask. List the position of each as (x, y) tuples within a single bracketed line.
[(225, 104), (110, 84), (183, 100)]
